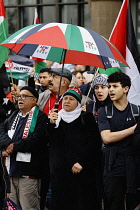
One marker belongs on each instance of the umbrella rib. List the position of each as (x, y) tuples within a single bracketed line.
[(57, 99)]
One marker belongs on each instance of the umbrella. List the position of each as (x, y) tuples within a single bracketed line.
[(65, 43)]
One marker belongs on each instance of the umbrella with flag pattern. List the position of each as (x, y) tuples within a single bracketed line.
[(65, 43), (40, 63)]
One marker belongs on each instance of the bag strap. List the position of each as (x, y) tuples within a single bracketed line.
[(135, 109), (109, 111)]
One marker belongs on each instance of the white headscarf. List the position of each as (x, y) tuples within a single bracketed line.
[(68, 117)]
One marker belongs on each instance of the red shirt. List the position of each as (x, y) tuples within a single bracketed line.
[(51, 103)]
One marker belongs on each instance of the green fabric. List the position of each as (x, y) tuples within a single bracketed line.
[(109, 70), (17, 75), (71, 33), (4, 52), (34, 120), (74, 93), (39, 66)]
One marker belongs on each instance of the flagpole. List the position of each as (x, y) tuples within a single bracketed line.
[(10, 72), (91, 85)]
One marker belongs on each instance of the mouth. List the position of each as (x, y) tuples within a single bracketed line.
[(50, 84), (111, 95), (20, 102)]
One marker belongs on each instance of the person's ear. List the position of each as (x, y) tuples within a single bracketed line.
[(126, 89)]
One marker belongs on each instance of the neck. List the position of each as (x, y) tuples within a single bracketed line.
[(121, 104), (24, 112), (62, 91)]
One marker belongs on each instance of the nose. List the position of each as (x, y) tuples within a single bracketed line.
[(50, 78), (99, 89)]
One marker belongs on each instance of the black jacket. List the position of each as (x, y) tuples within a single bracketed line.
[(34, 144)]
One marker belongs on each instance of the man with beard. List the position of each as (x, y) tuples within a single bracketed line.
[(48, 98)]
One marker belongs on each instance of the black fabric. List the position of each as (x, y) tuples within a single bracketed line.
[(94, 106), (115, 191), (35, 143), (70, 143), (32, 90), (115, 153), (4, 181)]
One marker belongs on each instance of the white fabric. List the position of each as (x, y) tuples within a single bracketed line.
[(68, 117)]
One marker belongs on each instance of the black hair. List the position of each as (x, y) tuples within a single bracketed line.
[(120, 77), (45, 70)]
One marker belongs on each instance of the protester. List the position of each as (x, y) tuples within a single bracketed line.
[(23, 139), (101, 96), (117, 124), (100, 91), (4, 182), (87, 77), (74, 140), (44, 78), (48, 99), (79, 76)]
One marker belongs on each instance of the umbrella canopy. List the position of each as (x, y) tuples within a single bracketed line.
[(65, 43)]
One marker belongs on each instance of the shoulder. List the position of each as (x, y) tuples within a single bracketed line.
[(42, 115), (45, 93)]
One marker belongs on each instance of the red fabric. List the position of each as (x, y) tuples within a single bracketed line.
[(2, 9), (9, 96), (51, 103), (120, 29)]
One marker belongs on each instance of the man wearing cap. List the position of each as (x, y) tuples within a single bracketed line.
[(22, 138), (47, 100)]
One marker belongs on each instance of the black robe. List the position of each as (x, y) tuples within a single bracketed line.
[(78, 141)]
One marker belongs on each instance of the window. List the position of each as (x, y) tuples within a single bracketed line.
[(20, 13)]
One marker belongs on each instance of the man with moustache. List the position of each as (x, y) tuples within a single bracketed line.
[(23, 139), (48, 99)]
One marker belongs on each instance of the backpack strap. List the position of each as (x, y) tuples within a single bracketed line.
[(109, 111), (135, 109)]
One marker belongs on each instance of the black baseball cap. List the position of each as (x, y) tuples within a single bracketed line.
[(66, 73)]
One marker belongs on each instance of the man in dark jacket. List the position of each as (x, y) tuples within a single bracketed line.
[(22, 137)]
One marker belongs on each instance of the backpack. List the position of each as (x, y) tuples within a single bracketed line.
[(135, 109)]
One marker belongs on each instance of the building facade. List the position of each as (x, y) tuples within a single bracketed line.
[(99, 15)]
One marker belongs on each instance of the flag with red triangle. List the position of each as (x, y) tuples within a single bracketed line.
[(123, 37), (40, 63), (3, 33)]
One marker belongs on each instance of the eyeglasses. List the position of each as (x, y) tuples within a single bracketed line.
[(23, 96)]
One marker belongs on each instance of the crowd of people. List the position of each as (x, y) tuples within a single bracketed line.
[(76, 137)]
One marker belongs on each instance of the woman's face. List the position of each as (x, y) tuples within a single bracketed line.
[(101, 92), (79, 78), (69, 103)]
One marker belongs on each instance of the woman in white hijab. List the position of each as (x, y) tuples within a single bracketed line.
[(74, 142)]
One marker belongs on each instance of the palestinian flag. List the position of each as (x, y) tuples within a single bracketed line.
[(123, 37), (109, 70), (3, 33), (40, 63), (19, 67)]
